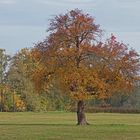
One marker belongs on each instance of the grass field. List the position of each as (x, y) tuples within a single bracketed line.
[(61, 126)]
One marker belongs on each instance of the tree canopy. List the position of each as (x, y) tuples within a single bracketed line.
[(82, 66)]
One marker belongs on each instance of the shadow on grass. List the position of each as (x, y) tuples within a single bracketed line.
[(93, 125), (18, 124)]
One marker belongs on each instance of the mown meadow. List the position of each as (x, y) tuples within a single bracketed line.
[(62, 126)]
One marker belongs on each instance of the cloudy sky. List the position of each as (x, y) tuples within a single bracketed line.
[(24, 22)]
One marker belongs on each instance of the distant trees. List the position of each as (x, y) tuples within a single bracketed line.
[(18, 78), (4, 59), (23, 94)]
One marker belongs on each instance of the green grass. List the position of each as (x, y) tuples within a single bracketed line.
[(61, 126)]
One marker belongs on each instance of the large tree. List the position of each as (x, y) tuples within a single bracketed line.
[(83, 68)]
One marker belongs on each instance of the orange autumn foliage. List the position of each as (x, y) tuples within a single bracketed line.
[(81, 66)]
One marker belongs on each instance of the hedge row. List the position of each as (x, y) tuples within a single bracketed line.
[(109, 110)]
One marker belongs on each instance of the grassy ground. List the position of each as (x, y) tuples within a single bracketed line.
[(61, 126)]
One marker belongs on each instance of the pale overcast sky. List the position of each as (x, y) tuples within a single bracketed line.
[(24, 22)]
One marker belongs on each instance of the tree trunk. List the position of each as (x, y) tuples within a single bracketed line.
[(14, 108), (81, 118), (2, 104)]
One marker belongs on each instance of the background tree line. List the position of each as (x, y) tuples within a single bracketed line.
[(18, 92)]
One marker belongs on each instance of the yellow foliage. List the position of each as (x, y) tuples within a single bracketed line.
[(20, 105)]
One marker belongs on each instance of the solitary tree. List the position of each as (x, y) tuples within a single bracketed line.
[(81, 66)]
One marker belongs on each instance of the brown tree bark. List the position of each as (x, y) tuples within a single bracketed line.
[(14, 107), (81, 118), (2, 102)]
